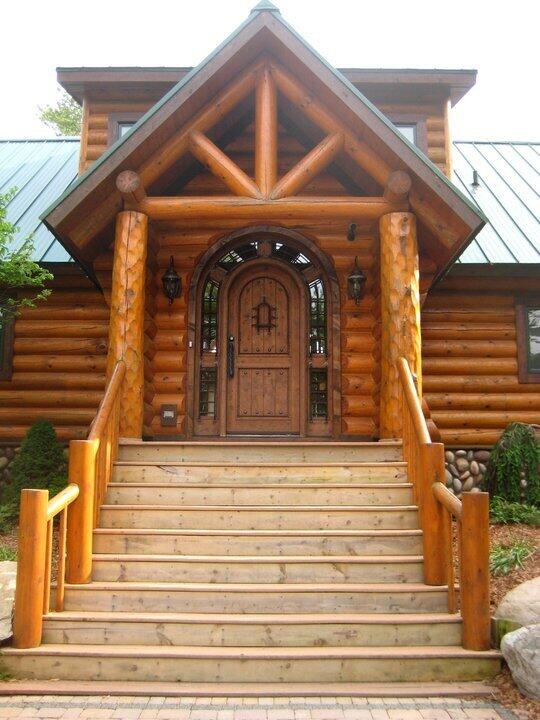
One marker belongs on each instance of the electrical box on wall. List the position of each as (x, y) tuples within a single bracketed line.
[(169, 415)]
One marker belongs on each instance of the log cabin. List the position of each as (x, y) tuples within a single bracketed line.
[(272, 308)]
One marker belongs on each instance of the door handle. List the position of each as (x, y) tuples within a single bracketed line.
[(230, 356)]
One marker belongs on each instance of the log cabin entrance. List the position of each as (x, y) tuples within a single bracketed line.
[(264, 339)]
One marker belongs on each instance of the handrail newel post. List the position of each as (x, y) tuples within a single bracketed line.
[(432, 514), (31, 568), (474, 580), (80, 525)]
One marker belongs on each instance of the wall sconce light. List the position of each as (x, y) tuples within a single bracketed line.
[(172, 283), (351, 233), (355, 283)]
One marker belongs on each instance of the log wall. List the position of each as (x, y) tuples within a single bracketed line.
[(470, 359), (60, 353)]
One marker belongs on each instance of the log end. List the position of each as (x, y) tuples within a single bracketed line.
[(398, 186)]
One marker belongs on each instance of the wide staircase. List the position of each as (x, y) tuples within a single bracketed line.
[(255, 562)]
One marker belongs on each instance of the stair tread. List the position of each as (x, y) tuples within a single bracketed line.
[(243, 442), (261, 464), (261, 508), (254, 653), (253, 618), (261, 587), (263, 533), (264, 486), (246, 559)]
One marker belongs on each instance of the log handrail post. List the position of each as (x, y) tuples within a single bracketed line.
[(474, 576), (31, 569), (432, 514), (80, 525)]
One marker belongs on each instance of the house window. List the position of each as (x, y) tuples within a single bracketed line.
[(408, 131), (6, 349), (528, 339), (119, 124)]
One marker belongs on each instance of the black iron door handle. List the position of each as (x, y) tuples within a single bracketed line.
[(230, 356)]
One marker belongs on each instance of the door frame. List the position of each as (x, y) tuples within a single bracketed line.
[(223, 332), (321, 260)]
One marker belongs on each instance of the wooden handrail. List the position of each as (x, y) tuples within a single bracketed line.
[(106, 405), (413, 402), (90, 469), (60, 501), (448, 499)]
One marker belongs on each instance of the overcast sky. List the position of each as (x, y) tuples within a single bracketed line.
[(499, 39)]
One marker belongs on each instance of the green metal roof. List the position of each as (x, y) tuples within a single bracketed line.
[(40, 170)]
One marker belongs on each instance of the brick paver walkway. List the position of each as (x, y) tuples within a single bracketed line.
[(339, 708)]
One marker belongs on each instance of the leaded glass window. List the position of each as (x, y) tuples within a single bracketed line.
[(318, 394), (317, 318), (207, 392), (209, 317)]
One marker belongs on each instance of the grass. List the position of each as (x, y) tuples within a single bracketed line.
[(506, 557), (7, 553), (504, 512)]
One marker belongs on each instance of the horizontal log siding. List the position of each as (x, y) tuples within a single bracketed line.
[(470, 359), (60, 352)]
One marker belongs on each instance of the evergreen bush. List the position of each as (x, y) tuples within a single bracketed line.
[(39, 464), (513, 470)]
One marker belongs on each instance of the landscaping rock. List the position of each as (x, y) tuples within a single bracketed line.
[(8, 572), (449, 456), (521, 650), (522, 604), (457, 485), (482, 455), (448, 477), (461, 453), (475, 468), (462, 464), (468, 485)]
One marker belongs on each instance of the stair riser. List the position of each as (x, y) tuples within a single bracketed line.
[(259, 519), (127, 495), (134, 668), (230, 453), (134, 571), (253, 474), (250, 635), (120, 600), (258, 545)]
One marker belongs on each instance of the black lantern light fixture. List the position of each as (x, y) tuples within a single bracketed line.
[(172, 283), (355, 283)]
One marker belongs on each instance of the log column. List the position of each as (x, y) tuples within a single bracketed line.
[(126, 329), (400, 314)]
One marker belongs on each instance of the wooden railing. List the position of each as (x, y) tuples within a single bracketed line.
[(90, 469), (437, 506)]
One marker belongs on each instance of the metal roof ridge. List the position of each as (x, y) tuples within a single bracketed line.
[(63, 138)]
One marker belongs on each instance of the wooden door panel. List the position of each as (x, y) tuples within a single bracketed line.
[(265, 306)]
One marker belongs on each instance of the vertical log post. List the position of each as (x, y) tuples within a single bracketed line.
[(400, 314), (126, 329), (432, 513), (266, 133), (80, 524), (474, 569), (29, 592)]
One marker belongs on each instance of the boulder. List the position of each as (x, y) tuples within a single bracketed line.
[(8, 572), (521, 650), (522, 604)]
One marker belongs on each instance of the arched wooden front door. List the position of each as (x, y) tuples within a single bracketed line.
[(265, 361)]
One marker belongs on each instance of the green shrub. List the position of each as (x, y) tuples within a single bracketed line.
[(506, 557), (39, 464), (7, 553), (504, 512), (513, 470)]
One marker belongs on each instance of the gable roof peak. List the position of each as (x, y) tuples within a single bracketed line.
[(265, 6)]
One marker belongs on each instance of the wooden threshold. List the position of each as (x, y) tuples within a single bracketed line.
[(169, 689)]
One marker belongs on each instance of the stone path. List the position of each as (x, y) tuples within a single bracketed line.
[(338, 708)]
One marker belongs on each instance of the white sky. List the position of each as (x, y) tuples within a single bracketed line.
[(499, 39)]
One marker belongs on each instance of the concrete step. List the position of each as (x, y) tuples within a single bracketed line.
[(258, 569), (260, 494), (256, 598), (222, 630), (228, 451), (250, 473), (258, 542), (258, 664), (261, 517)]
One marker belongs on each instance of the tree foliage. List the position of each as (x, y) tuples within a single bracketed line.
[(64, 118), (513, 471), (21, 279)]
